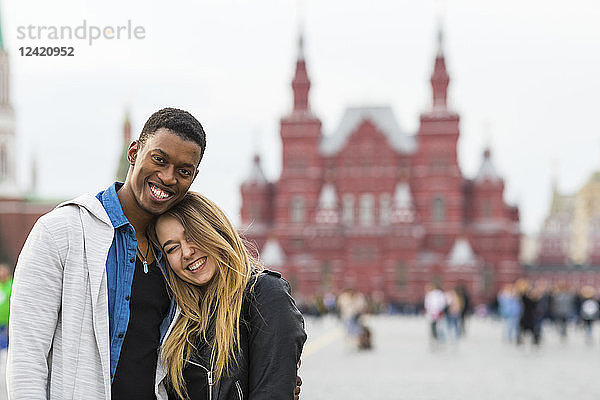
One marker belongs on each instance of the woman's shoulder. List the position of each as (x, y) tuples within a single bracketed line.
[(267, 284)]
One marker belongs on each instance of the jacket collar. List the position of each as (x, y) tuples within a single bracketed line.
[(91, 204)]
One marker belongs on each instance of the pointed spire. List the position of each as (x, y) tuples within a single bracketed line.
[(256, 176), (126, 129), (440, 78), (487, 171), (301, 82), (123, 166), (440, 38)]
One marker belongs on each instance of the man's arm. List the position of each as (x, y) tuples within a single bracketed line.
[(34, 310)]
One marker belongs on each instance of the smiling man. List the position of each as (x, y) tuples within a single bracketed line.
[(90, 305)]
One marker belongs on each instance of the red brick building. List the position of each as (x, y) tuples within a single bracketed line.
[(375, 208)]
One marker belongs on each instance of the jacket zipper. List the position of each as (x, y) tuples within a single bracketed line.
[(239, 389), (209, 373)]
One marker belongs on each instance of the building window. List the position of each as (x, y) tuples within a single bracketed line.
[(438, 241), (326, 274), (298, 211), (401, 273), (438, 209), (298, 243), (366, 212), (255, 212), (348, 209), (487, 209), (385, 209)]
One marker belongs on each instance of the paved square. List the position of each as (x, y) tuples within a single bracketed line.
[(402, 364)]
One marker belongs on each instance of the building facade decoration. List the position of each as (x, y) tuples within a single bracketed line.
[(375, 208)]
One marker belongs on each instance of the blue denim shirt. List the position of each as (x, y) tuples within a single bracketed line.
[(120, 265)]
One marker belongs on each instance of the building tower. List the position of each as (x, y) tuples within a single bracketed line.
[(301, 172), (8, 181), (436, 179), (123, 162)]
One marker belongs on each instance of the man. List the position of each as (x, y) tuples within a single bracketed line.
[(90, 304)]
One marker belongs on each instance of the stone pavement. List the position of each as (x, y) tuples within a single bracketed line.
[(403, 365)]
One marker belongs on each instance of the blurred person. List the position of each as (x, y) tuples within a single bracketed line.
[(352, 304), (543, 312), (528, 321), (434, 303), (453, 309), (5, 291), (466, 307), (562, 307), (238, 331), (6, 282), (589, 310), (509, 307), (329, 301)]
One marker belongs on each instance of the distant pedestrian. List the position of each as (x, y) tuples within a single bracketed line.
[(435, 303), (5, 291), (589, 310), (352, 305), (562, 307), (466, 308), (454, 306), (509, 308), (528, 321)]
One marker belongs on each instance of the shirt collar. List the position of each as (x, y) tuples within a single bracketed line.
[(112, 205), (113, 208)]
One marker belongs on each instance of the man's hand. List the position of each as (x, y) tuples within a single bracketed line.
[(298, 382)]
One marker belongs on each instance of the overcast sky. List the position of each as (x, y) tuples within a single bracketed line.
[(524, 78)]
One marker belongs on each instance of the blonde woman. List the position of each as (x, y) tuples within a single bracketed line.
[(238, 333)]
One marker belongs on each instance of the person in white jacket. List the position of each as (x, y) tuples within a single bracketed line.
[(90, 305), (435, 302)]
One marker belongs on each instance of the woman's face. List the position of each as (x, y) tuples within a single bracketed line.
[(186, 258)]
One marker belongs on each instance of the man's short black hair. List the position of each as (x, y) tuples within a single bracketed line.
[(180, 122)]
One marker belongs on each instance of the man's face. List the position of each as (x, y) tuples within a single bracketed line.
[(165, 167)]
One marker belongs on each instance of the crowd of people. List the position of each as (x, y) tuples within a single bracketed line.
[(525, 307)]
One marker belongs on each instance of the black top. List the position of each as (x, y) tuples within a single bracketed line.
[(148, 305)]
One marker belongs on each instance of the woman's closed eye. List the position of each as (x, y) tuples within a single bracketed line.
[(171, 249)]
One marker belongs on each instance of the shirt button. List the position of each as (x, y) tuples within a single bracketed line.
[(120, 335), (132, 260), (127, 298)]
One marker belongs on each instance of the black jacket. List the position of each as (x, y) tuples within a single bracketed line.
[(271, 337)]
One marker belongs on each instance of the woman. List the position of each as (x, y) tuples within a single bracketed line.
[(238, 333)]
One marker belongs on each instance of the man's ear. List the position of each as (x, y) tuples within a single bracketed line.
[(133, 151)]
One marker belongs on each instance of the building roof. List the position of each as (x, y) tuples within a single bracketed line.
[(382, 117)]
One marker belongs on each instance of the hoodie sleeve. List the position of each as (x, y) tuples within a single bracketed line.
[(34, 310)]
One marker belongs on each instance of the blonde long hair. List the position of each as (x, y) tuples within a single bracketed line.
[(220, 300)]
